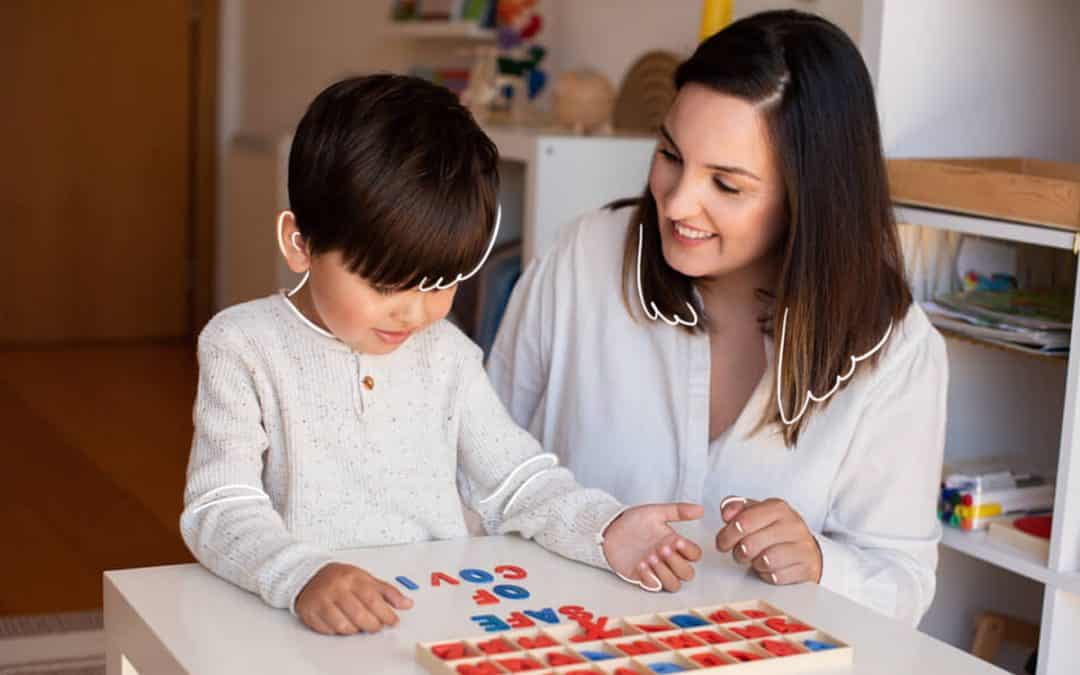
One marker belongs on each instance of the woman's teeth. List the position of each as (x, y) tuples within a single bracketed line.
[(692, 234)]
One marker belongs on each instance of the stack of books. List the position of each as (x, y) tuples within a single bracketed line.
[(1025, 320)]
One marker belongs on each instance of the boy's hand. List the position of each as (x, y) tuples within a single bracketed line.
[(342, 600), (641, 547)]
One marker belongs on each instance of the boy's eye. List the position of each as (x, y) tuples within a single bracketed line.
[(670, 156)]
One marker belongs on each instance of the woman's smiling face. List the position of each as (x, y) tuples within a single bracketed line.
[(718, 192)]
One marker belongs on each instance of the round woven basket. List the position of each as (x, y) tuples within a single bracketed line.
[(646, 92)]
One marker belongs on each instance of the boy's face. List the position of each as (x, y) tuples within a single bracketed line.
[(366, 319), (341, 302)]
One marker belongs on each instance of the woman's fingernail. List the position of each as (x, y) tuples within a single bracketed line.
[(731, 500), (773, 577), (666, 552), (644, 565), (738, 527), (680, 544), (766, 559), (654, 560), (742, 547)]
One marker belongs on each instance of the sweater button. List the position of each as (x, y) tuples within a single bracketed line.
[(369, 382)]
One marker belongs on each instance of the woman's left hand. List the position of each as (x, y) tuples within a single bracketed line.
[(772, 537)]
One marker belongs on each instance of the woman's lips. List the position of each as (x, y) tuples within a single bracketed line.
[(690, 236)]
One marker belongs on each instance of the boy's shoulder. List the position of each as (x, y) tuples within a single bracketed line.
[(236, 325), (443, 340)]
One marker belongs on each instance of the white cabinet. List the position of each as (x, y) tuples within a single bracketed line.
[(561, 177)]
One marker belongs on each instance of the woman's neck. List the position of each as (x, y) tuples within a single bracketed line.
[(733, 301)]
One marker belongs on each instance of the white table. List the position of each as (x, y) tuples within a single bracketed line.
[(182, 619)]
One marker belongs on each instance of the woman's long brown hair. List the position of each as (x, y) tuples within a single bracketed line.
[(841, 274)]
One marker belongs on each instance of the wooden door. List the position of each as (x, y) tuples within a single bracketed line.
[(97, 167)]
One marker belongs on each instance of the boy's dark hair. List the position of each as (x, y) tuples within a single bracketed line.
[(394, 172)]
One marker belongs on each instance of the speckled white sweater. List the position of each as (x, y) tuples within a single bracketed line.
[(284, 411)]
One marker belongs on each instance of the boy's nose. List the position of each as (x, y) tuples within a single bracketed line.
[(411, 312)]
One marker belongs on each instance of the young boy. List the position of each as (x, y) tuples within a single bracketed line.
[(347, 412)]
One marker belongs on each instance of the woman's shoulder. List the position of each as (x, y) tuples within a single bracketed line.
[(914, 349), (589, 248), (600, 230)]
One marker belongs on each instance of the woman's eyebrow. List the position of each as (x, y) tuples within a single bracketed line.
[(716, 167)]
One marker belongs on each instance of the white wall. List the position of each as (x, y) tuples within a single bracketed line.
[(609, 35), (980, 77), (294, 49), (277, 54)]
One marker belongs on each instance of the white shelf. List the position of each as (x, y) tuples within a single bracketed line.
[(441, 30), (519, 143), (1069, 582), (978, 545), (515, 144), (987, 227)]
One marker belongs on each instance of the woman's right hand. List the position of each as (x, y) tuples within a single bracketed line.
[(343, 600)]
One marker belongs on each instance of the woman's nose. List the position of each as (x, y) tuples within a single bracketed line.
[(682, 201)]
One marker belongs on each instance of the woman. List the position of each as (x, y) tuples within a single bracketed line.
[(745, 327)]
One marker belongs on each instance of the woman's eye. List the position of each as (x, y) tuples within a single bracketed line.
[(670, 156), (725, 187)]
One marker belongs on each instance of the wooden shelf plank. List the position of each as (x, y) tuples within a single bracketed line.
[(444, 30), (986, 227)]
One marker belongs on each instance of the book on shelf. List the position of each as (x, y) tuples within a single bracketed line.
[(1033, 309), (1031, 321)]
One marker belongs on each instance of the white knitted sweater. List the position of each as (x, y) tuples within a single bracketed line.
[(285, 411)]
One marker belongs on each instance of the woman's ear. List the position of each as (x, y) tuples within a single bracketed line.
[(292, 244)]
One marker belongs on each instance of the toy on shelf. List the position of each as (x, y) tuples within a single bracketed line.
[(976, 493), (584, 100), (513, 69), (701, 639)]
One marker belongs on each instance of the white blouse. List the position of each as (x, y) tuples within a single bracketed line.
[(625, 405)]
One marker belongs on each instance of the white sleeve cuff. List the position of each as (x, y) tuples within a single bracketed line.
[(838, 564)]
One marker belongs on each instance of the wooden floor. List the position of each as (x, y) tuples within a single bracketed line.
[(95, 448)]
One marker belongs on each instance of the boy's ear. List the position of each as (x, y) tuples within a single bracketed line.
[(291, 243)]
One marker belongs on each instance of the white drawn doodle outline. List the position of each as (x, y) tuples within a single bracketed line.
[(839, 378), (656, 313), (439, 283)]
